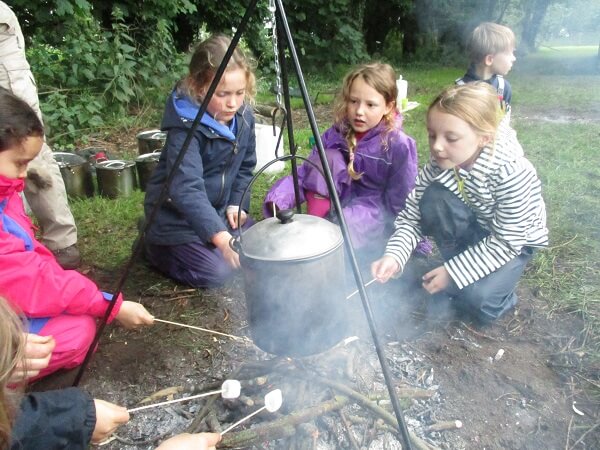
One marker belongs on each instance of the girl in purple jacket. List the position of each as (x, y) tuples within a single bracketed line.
[(373, 162)]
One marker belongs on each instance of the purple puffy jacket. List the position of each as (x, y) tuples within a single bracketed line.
[(388, 163)]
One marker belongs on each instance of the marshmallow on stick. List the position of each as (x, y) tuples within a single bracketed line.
[(273, 401), (229, 389)]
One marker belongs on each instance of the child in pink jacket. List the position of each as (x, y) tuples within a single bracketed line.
[(61, 306)]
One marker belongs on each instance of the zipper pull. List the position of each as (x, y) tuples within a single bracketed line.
[(235, 148)]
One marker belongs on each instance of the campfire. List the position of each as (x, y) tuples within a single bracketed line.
[(335, 399)]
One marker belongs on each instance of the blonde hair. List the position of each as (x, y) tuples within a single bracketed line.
[(11, 351), (205, 61), (488, 39), (380, 77), (475, 103)]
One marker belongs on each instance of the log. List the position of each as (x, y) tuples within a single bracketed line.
[(363, 401), (213, 422), (286, 426), (170, 391), (351, 437), (446, 425), (265, 110), (283, 427)]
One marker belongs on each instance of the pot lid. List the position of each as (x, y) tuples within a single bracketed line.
[(152, 135), (290, 237), (65, 159), (114, 164), (146, 157)]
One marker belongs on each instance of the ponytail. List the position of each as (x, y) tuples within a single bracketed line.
[(351, 141)]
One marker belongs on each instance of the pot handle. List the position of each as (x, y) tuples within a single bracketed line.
[(235, 245), (238, 246), (286, 215)]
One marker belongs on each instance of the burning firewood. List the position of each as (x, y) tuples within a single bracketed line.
[(300, 383), (273, 401), (445, 425)]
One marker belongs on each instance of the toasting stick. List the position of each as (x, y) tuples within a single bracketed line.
[(206, 330), (273, 401), (356, 291), (229, 389)]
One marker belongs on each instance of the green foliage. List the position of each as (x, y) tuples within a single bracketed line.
[(97, 61), (564, 22), (225, 16), (328, 33), (88, 74), (72, 115)]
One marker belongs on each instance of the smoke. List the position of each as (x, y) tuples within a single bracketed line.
[(403, 309)]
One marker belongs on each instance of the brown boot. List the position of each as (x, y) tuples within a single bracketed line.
[(69, 257)]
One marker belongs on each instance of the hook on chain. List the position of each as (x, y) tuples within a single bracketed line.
[(272, 24)]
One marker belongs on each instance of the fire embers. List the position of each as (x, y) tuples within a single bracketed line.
[(336, 399)]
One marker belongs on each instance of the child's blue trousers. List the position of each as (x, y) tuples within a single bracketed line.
[(196, 264), (454, 227)]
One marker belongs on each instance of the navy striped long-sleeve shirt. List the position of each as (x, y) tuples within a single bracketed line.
[(503, 190)]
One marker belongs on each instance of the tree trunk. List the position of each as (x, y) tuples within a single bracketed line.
[(503, 11), (488, 8), (534, 13)]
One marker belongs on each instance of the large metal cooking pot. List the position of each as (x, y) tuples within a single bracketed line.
[(293, 268), (76, 174), (116, 178), (151, 140), (145, 165)]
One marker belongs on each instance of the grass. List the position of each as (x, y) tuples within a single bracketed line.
[(558, 91), (107, 228), (559, 79), (557, 116)]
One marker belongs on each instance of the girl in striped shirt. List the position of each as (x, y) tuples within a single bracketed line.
[(480, 200)]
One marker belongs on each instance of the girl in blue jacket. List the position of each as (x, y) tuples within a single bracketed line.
[(189, 238)]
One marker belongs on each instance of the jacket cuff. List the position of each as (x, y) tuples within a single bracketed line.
[(90, 418), (108, 297), (100, 302)]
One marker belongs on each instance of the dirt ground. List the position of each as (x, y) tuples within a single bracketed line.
[(516, 401), (513, 384)]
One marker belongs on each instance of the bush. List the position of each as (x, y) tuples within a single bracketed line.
[(90, 75)]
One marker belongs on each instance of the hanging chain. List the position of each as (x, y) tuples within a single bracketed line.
[(272, 24)]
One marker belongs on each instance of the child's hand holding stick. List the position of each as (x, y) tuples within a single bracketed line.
[(384, 268), (134, 315), (108, 418)]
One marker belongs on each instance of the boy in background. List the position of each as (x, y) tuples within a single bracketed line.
[(491, 49)]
